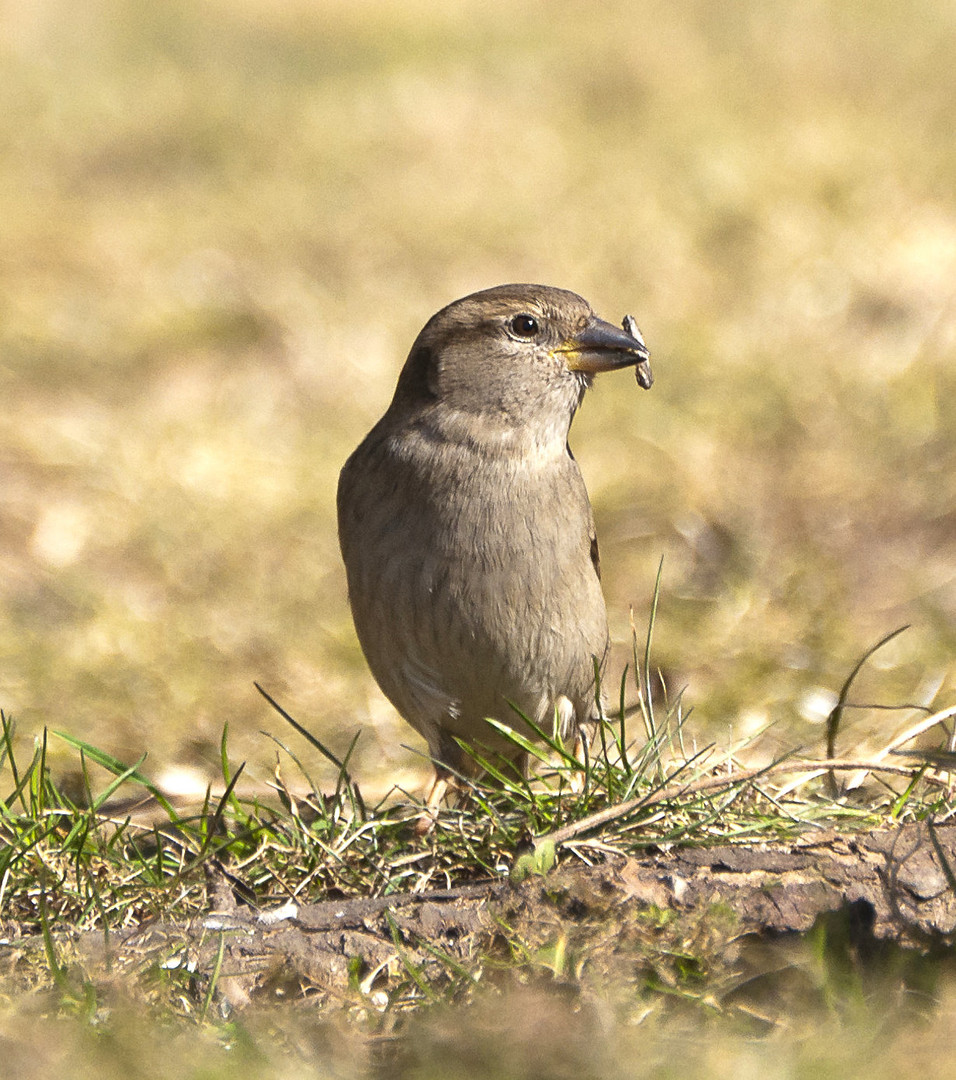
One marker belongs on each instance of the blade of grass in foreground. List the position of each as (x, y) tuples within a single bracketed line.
[(117, 768)]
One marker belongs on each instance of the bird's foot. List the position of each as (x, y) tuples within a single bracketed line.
[(425, 821)]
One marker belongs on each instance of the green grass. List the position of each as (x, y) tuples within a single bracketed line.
[(93, 864)]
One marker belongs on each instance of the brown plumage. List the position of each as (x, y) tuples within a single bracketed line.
[(465, 525)]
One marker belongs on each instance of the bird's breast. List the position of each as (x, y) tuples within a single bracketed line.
[(475, 568), (506, 536)]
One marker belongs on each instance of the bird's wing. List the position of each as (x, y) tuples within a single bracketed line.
[(430, 698)]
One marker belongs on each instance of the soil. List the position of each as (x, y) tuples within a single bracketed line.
[(652, 918)]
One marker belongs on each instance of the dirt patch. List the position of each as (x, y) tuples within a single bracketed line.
[(659, 919)]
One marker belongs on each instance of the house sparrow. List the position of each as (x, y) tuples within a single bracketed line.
[(466, 530)]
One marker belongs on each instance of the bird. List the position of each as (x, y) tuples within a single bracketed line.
[(467, 533)]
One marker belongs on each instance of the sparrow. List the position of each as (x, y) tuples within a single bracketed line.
[(466, 529)]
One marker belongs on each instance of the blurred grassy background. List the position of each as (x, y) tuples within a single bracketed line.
[(224, 223)]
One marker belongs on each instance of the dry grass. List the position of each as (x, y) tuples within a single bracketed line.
[(538, 1034), (225, 223)]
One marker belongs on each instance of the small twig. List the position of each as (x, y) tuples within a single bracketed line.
[(709, 783), (911, 732)]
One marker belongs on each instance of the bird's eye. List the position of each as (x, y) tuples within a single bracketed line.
[(525, 326)]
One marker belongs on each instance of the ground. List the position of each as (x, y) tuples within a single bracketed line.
[(224, 223)]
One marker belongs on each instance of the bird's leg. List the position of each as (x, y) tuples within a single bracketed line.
[(583, 738), (564, 724), (578, 779), (436, 792)]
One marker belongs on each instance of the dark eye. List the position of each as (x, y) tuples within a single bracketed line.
[(525, 326)]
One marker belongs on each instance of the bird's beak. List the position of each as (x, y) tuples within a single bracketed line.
[(603, 347)]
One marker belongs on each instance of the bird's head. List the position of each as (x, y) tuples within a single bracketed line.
[(514, 357)]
